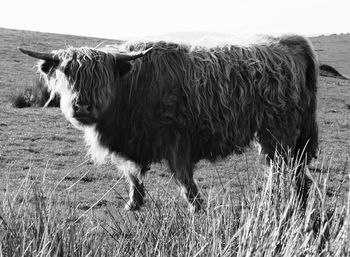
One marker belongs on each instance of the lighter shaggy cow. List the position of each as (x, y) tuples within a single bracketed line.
[(148, 101)]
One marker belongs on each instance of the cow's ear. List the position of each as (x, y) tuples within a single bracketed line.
[(48, 66), (123, 67)]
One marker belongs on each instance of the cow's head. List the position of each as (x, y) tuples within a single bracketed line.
[(85, 79)]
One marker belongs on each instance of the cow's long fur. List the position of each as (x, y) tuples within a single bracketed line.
[(183, 103)]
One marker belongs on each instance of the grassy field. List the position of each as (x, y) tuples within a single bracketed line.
[(47, 180)]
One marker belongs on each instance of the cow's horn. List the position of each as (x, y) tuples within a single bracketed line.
[(40, 55), (132, 55)]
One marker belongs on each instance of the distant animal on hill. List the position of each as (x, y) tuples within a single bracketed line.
[(144, 102), (328, 71)]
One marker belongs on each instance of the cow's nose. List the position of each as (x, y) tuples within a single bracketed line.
[(82, 109)]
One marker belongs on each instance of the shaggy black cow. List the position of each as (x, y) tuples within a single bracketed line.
[(144, 102)]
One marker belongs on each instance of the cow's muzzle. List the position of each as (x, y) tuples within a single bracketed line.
[(84, 114)]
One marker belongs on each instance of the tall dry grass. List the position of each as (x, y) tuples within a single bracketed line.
[(38, 221)]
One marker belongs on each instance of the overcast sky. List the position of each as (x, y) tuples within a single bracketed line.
[(128, 18)]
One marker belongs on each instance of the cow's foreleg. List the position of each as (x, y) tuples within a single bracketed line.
[(191, 193), (133, 174), (184, 178), (180, 164)]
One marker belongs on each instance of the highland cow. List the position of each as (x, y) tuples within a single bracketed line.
[(145, 102)]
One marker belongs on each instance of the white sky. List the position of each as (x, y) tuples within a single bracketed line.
[(131, 18)]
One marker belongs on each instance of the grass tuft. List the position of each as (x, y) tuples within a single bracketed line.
[(21, 100), (36, 96)]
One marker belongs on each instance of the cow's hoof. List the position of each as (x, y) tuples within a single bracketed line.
[(196, 206), (131, 206)]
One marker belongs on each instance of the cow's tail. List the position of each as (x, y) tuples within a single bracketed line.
[(307, 142)]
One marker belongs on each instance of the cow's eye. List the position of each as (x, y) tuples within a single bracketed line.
[(48, 66)]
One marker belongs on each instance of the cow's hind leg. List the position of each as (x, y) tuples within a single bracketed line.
[(277, 153), (303, 183), (133, 173)]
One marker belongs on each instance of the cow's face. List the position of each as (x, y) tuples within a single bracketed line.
[(85, 79)]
